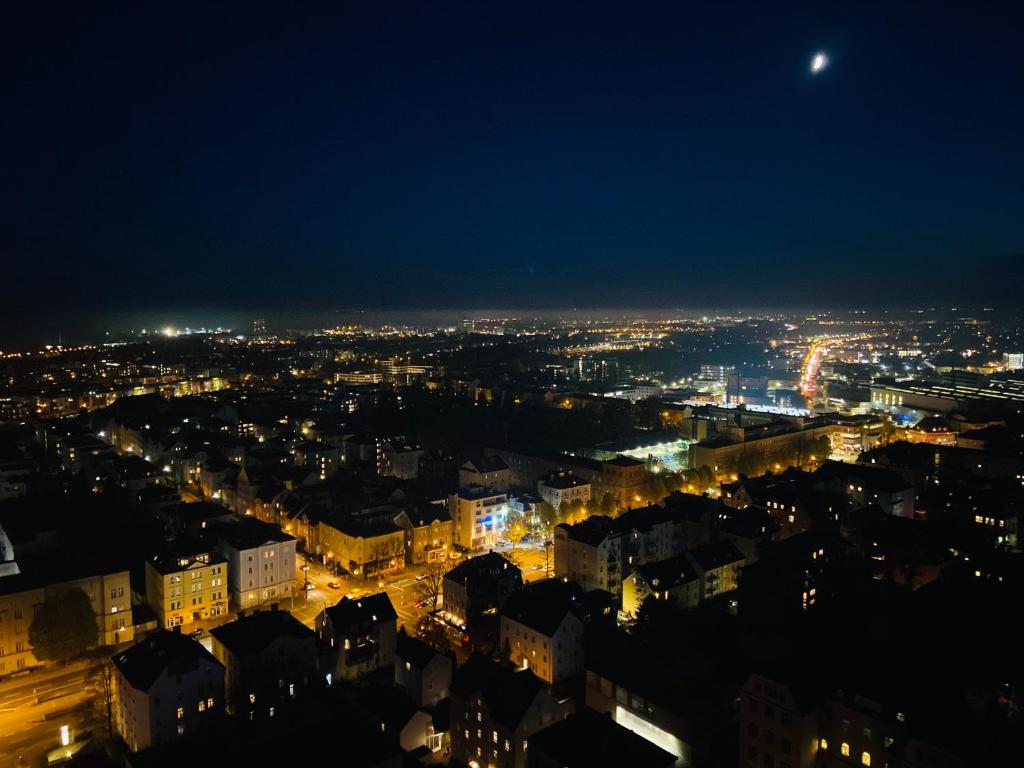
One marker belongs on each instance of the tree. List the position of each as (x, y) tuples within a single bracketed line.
[(822, 449), (548, 515), (433, 634), (104, 679), (608, 505), (429, 588), (515, 524), (64, 627)]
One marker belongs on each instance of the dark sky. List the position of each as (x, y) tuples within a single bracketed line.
[(433, 154)]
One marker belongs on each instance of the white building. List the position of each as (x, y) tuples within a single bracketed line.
[(478, 516), (564, 488), (401, 459), (166, 687), (261, 562), (540, 628)]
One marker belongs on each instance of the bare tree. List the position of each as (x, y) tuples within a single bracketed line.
[(429, 588), (103, 678)]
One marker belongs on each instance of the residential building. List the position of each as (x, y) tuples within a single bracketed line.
[(428, 533), (588, 738), (478, 516), (357, 636), (564, 488), (479, 585), (322, 459), (400, 458), (717, 566), (542, 631), (269, 658), (490, 472), (261, 562), (363, 546), (423, 673), (624, 478), (778, 725), (864, 485), (22, 593), (590, 553), (166, 687), (674, 581), (188, 582), (494, 712)]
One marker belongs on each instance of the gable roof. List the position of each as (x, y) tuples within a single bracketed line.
[(543, 605), (372, 609), (251, 634), (414, 650), (589, 738), (249, 533), (592, 531), (508, 693), (485, 464), (484, 566), (144, 662), (716, 555), (668, 573)]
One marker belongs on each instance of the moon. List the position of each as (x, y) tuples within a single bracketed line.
[(819, 62)]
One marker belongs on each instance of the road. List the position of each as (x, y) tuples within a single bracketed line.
[(34, 707), (400, 587)]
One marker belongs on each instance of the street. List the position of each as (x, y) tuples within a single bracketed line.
[(400, 587), (34, 707)]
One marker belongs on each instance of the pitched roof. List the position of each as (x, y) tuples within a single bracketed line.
[(716, 555), (483, 566), (508, 693), (249, 533), (589, 738), (144, 662), (485, 464), (543, 605), (414, 650), (591, 531), (251, 634), (371, 609), (668, 573)]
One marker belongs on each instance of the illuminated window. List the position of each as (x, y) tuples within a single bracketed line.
[(844, 748), (181, 712), (202, 706), (865, 758), (823, 743), (252, 698)]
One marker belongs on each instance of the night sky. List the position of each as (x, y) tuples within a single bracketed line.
[(432, 154)]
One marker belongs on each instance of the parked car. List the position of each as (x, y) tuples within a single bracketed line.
[(333, 585), (195, 634)]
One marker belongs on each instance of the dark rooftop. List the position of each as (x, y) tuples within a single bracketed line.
[(144, 662)]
